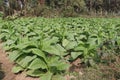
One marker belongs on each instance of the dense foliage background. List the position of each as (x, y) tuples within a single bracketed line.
[(69, 8)]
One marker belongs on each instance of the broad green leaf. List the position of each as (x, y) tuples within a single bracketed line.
[(70, 36), (65, 42), (17, 69), (37, 64), (9, 42), (62, 66), (118, 41), (34, 73), (82, 36), (31, 34), (53, 60), (92, 41), (93, 35), (48, 41), (11, 47), (61, 49), (39, 53), (58, 46), (27, 51), (74, 55), (20, 58), (14, 55), (52, 50), (79, 48), (71, 45), (26, 44), (3, 35), (47, 76), (25, 62), (5, 30)]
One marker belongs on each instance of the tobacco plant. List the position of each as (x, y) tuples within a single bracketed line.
[(39, 46)]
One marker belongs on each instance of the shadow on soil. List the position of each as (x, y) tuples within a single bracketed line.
[(2, 75)]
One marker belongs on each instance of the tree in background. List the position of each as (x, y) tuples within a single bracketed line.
[(0, 5), (64, 7)]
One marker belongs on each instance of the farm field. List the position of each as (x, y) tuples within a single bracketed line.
[(64, 48)]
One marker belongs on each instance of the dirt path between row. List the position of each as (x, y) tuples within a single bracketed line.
[(7, 67)]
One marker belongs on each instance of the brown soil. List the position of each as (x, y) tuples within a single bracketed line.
[(6, 66)]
